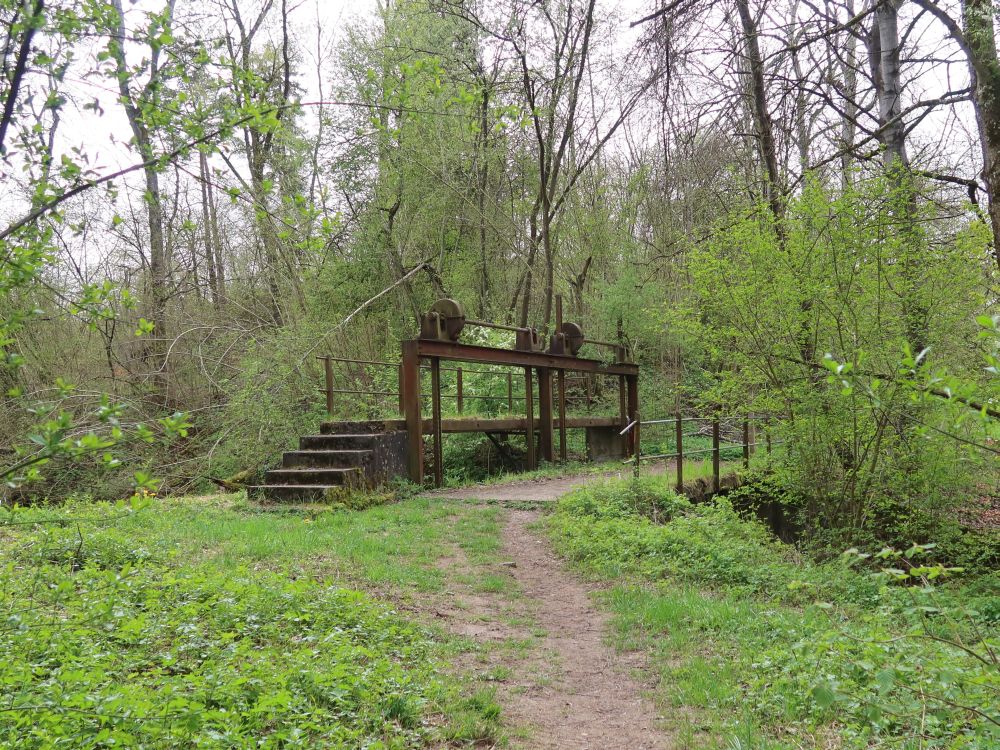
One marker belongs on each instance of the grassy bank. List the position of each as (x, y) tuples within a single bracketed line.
[(198, 623), (756, 647)]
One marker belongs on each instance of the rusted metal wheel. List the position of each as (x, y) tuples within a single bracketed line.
[(574, 337), (452, 315)]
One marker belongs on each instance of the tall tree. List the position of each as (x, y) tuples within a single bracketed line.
[(975, 34), (144, 106)]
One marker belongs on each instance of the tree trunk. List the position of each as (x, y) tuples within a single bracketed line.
[(206, 221), (532, 252), (135, 107), (481, 184), (888, 84), (762, 120), (220, 266), (883, 53), (981, 47), (848, 127)]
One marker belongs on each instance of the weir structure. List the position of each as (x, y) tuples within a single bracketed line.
[(373, 451)]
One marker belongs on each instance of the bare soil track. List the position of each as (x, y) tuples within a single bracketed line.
[(534, 490), (570, 689), (592, 701)]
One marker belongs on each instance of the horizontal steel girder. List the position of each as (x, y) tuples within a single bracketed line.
[(515, 358)]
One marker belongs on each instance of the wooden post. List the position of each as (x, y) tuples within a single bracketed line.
[(545, 427), (716, 463), (328, 373), (562, 416), (529, 419), (411, 406), (680, 454), (458, 386), (436, 421), (746, 443)]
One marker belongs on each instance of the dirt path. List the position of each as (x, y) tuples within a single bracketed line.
[(545, 488), (567, 688), (590, 700)]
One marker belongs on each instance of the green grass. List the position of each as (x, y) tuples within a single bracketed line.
[(212, 623), (756, 647)]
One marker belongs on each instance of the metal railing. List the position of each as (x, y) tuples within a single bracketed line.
[(748, 444), (460, 395)]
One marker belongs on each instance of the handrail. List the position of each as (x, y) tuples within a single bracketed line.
[(718, 443)]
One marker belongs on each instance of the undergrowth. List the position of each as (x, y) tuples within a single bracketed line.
[(778, 651), (115, 635)]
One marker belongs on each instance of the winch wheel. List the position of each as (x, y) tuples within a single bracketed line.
[(573, 334), (453, 316)]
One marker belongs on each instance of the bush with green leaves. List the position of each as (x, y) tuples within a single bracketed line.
[(772, 308), (878, 654)]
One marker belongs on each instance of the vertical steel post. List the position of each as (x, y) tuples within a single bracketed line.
[(562, 386), (545, 427), (680, 454), (436, 421), (328, 374), (632, 405), (623, 412), (716, 463), (411, 406), (562, 416), (510, 393), (399, 388), (458, 385), (529, 419), (746, 443), (638, 447)]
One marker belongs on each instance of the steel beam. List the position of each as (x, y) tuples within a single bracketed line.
[(495, 424), (529, 420), (514, 358), (562, 414), (632, 402), (411, 401), (436, 421), (545, 412)]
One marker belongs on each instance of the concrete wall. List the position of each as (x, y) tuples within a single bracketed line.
[(604, 444)]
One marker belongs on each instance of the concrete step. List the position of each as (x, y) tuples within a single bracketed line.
[(313, 493), (326, 459), (327, 477), (354, 428), (345, 441)]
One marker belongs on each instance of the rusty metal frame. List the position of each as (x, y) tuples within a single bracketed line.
[(534, 363), (460, 397)]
